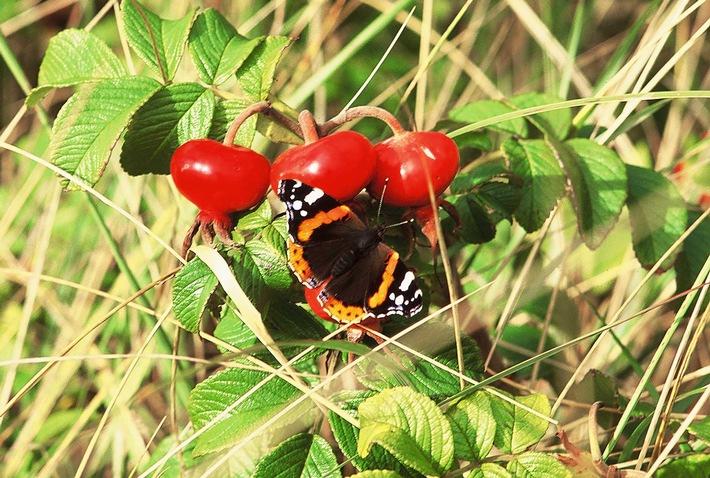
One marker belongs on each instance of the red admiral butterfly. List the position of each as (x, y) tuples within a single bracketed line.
[(330, 246)]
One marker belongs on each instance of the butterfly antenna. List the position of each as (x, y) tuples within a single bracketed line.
[(382, 198)]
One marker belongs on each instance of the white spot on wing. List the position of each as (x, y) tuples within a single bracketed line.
[(313, 196), (407, 281)]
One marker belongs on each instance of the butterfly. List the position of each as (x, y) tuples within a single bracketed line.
[(331, 248)]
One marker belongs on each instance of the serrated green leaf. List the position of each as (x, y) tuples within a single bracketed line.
[(216, 48), (410, 426), (256, 74), (693, 466), (224, 114), (421, 375), (284, 321), (543, 180), (559, 121), (175, 114), (485, 109), (176, 464), (302, 455), (477, 226), (473, 426), (90, 123), (478, 174), (192, 288), (261, 266), (537, 465), (257, 219), (474, 139), (159, 43), (597, 179), (701, 429), (657, 214), (516, 428), (219, 391), (696, 250), (376, 474), (490, 470), (500, 199), (346, 434), (74, 57)]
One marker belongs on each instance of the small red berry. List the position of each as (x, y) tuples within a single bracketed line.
[(219, 179), (406, 160), (340, 164)]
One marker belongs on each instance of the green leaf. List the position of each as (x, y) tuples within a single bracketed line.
[(192, 288), (473, 426), (216, 48), (559, 121), (175, 114), (421, 375), (657, 214), (516, 428), (543, 180), (410, 426), (275, 130), (256, 74), (479, 174), (160, 43), (224, 113), (176, 464), (490, 470), (701, 429), (302, 455), (219, 391), (261, 266), (692, 466), (485, 109), (477, 226), (376, 474), (537, 465), (696, 250), (90, 123), (347, 437), (74, 57), (257, 219), (597, 178)]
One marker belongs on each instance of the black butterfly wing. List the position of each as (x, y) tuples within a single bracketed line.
[(320, 230)]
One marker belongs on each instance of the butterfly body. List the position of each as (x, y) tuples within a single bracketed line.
[(329, 247)]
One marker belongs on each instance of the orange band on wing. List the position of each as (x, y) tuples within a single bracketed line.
[(380, 296), (307, 226), (298, 264), (344, 313)]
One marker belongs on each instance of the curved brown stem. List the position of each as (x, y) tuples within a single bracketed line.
[(308, 126), (263, 107), (239, 120), (363, 112)]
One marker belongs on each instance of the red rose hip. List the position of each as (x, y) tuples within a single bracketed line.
[(405, 160)]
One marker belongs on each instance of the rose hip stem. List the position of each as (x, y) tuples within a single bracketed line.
[(362, 112), (309, 127), (263, 107)]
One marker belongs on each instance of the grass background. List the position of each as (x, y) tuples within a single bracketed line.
[(92, 401)]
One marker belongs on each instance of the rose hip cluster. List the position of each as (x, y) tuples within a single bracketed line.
[(221, 178)]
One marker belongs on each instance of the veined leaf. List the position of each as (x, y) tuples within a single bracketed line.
[(657, 214), (216, 48), (74, 57), (473, 426), (537, 465), (376, 474), (224, 113), (256, 74), (543, 180), (175, 114), (517, 428), (410, 426), (485, 109), (696, 250), (160, 43), (303, 455), (597, 177), (490, 470), (90, 123), (347, 437), (192, 288), (214, 395), (261, 265), (558, 120)]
